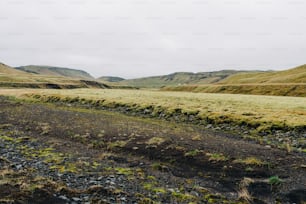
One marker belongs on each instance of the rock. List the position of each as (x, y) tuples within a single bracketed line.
[(63, 197), (76, 199), (147, 111), (19, 167)]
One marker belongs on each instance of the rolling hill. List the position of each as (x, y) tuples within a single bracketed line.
[(179, 78), (110, 79), (55, 71), (291, 82), (11, 77), (295, 75), (5, 69)]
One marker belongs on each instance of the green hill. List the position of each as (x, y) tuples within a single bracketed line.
[(11, 77), (110, 79), (55, 71), (295, 75), (290, 82), (179, 78), (5, 69)]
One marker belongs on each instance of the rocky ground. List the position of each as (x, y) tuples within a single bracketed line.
[(56, 154)]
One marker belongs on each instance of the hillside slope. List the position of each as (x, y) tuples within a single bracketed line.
[(179, 78), (295, 75), (110, 79), (55, 71), (291, 82), (5, 69), (11, 77)]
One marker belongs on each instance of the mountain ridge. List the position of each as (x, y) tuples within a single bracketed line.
[(110, 79), (179, 78), (55, 71)]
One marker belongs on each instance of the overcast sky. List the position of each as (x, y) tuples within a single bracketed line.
[(134, 38)]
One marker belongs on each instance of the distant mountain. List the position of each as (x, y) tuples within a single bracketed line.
[(24, 78), (179, 78), (291, 82), (5, 69), (55, 71), (110, 79), (294, 75)]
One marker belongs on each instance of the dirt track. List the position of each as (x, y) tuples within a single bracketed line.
[(141, 160)]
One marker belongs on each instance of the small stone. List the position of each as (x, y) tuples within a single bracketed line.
[(63, 197), (209, 126), (93, 182), (76, 199), (19, 166)]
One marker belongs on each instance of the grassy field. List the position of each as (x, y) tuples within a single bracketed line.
[(253, 89), (295, 75), (262, 112)]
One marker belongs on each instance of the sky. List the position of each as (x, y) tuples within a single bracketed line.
[(136, 38)]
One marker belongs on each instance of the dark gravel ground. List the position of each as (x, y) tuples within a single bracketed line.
[(52, 154)]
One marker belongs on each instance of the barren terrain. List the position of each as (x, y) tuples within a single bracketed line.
[(65, 154)]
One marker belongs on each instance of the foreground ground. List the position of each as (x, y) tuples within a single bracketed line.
[(61, 154)]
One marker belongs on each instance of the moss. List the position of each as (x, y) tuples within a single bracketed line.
[(155, 141), (147, 201), (250, 161), (159, 190), (193, 153), (7, 138), (116, 144), (148, 186), (182, 197), (151, 178), (216, 157), (69, 167), (124, 171), (275, 180), (158, 166)]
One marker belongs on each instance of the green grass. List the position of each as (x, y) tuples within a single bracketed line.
[(295, 75), (262, 112), (250, 161), (253, 89)]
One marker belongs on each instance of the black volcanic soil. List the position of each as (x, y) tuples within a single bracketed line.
[(105, 157)]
